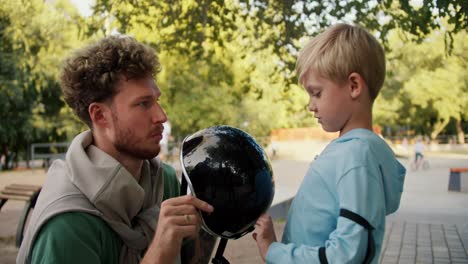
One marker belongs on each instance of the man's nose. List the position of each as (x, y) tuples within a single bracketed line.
[(159, 116)]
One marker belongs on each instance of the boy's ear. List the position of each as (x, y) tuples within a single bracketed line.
[(356, 85), (100, 114)]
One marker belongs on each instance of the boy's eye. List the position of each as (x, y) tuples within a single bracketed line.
[(316, 94)]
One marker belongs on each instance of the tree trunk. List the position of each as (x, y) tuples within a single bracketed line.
[(28, 155), (437, 128), (460, 134), (3, 157)]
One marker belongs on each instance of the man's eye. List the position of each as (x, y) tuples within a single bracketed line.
[(317, 94), (144, 104)]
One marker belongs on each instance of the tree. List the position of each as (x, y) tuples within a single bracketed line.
[(225, 46), (428, 85), (228, 62), (34, 36), (213, 71)]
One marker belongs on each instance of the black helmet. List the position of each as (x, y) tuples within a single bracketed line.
[(225, 167)]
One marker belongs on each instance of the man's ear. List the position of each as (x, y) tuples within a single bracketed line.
[(100, 114), (356, 85)]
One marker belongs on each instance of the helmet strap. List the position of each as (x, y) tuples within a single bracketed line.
[(219, 259)]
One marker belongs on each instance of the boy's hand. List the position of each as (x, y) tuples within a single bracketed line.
[(264, 234)]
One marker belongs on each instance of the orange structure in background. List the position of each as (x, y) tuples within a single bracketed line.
[(377, 129), (300, 134)]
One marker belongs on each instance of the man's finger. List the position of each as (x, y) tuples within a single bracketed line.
[(188, 219), (202, 205), (182, 209), (189, 199)]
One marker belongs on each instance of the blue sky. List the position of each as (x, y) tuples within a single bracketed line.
[(84, 6)]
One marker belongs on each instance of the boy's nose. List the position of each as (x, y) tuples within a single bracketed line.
[(312, 107)]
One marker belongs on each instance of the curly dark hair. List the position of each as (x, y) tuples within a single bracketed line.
[(91, 74)]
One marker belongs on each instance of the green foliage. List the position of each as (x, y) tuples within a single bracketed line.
[(34, 38), (217, 68), (231, 62), (429, 87)]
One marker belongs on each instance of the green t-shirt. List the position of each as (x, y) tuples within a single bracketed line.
[(76, 237)]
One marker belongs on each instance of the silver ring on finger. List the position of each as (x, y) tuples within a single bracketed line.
[(187, 219)]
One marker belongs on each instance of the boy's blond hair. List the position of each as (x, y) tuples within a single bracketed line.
[(341, 50)]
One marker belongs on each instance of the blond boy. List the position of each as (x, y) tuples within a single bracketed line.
[(338, 214)]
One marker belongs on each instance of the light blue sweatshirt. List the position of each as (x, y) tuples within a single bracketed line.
[(358, 172)]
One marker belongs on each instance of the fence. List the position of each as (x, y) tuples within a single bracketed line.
[(48, 152)]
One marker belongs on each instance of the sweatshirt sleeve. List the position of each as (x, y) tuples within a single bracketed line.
[(348, 242)]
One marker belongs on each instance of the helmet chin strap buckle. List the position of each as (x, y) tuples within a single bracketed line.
[(219, 259)]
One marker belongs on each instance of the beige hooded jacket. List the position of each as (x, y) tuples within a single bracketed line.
[(93, 182)]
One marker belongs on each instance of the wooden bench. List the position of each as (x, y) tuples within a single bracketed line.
[(20, 192), (458, 180)]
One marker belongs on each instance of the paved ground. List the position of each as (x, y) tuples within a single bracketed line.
[(430, 227)]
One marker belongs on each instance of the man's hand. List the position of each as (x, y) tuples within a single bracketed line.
[(264, 234), (198, 251), (178, 219)]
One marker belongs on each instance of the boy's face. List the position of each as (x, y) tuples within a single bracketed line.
[(329, 101), (137, 118)]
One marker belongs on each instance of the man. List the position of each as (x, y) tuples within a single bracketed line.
[(419, 148), (104, 204)]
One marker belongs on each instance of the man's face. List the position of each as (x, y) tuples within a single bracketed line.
[(329, 101), (137, 118)]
